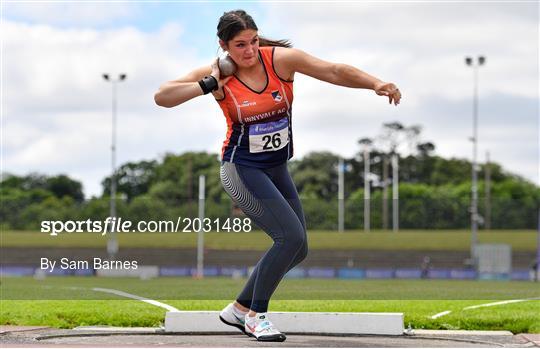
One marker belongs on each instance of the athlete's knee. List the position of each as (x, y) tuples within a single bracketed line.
[(298, 244), (292, 239), (297, 234)]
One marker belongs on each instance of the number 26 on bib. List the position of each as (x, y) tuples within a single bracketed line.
[(269, 136)]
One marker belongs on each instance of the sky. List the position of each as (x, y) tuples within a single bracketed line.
[(56, 107)]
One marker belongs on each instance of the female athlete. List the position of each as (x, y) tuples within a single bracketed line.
[(257, 104)]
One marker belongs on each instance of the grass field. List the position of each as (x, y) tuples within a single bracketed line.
[(452, 240), (69, 301)]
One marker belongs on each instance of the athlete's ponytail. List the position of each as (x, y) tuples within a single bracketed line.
[(233, 22), (280, 43)]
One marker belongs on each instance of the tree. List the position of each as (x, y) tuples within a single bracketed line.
[(391, 137), (184, 171), (133, 179), (15, 201), (365, 145), (59, 186), (425, 149), (365, 142), (315, 175), (449, 171), (62, 185), (52, 208), (145, 208)]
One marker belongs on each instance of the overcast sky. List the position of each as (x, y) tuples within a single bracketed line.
[(56, 108)]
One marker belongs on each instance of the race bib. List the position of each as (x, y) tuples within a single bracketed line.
[(268, 136)]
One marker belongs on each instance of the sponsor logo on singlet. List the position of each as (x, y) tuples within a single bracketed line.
[(248, 104), (276, 96)]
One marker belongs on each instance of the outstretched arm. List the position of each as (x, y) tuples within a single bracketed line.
[(175, 92), (294, 60)]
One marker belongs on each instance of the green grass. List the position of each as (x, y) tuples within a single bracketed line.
[(451, 240), (56, 304), (72, 313), (290, 289), (516, 317)]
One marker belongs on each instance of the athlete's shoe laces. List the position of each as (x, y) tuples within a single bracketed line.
[(260, 327), (229, 317)]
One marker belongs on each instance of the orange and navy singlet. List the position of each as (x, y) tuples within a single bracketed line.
[(259, 130)]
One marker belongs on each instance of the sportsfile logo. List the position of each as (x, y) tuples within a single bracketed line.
[(118, 224)]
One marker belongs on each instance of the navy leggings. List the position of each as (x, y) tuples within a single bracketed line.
[(269, 198)]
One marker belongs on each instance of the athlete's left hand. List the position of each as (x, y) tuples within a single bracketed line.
[(388, 89)]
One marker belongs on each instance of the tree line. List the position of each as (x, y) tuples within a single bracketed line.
[(434, 192)]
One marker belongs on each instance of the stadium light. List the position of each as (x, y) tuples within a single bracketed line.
[(112, 242), (395, 192), (341, 195), (474, 191)]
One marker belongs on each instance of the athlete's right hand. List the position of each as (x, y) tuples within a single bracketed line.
[(215, 73)]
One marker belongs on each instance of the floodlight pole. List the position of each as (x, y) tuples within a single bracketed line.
[(367, 191), (537, 269), (487, 180), (200, 233), (395, 193), (112, 242), (474, 186), (341, 195)]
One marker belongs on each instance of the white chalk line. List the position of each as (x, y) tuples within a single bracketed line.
[(134, 296), (441, 314), (118, 293), (446, 312), (499, 303)]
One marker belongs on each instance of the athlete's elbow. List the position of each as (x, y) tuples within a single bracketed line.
[(161, 100)]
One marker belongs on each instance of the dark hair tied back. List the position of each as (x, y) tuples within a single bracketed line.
[(233, 22)]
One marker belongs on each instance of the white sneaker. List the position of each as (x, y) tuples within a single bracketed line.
[(229, 317), (261, 328)]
